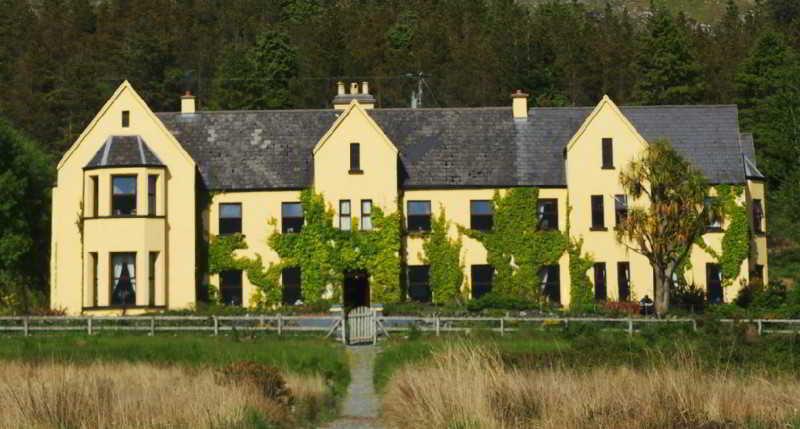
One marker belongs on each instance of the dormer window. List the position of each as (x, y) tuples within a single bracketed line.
[(126, 118), (355, 158), (608, 153)]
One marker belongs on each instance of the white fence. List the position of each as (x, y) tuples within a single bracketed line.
[(332, 325)]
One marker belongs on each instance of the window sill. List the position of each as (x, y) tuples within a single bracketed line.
[(359, 171), (126, 307), (125, 217), (760, 233), (607, 167), (418, 233), (598, 228), (713, 230), (229, 234)]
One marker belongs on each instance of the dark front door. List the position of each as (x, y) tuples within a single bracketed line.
[(356, 289), (714, 283)]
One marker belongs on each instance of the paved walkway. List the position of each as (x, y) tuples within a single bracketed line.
[(362, 403)]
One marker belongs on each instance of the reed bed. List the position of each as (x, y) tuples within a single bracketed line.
[(142, 395), (468, 387)]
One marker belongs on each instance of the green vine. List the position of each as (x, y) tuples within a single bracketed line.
[(580, 286), (736, 240), (515, 247), (443, 255), (222, 257)]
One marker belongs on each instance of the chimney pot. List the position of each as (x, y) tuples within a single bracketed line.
[(519, 104), (365, 87), (354, 88), (188, 103), (340, 88)]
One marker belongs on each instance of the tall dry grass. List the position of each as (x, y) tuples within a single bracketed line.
[(138, 395), (463, 387)]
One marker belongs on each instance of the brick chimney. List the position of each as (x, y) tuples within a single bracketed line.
[(519, 104), (188, 103), (360, 94)]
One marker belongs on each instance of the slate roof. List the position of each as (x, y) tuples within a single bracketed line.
[(451, 147), (749, 157), (124, 151)]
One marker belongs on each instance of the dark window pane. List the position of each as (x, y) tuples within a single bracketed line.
[(123, 279), (355, 157), (126, 118), (714, 220), (418, 283), (758, 216), (230, 288), (714, 283), (291, 285), (598, 219), (366, 215), (482, 276), (481, 218), (123, 195), (95, 196), (230, 218), (550, 286), (624, 280), (608, 153), (152, 278), (419, 216), (152, 181), (419, 207), (600, 281), (548, 214), (292, 217), (620, 208)]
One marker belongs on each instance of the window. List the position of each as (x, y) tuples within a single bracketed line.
[(598, 218), (123, 195), (355, 157), (481, 280), (757, 273), (126, 118), (419, 288), (123, 282), (230, 287), (714, 220), (95, 277), (548, 214), (714, 283), (758, 217), (419, 216), (152, 279), (95, 196), (366, 215), (600, 281), (624, 280), (620, 208), (291, 286), (152, 181), (480, 215), (230, 218), (550, 286), (291, 217), (344, 215), (608, 153)]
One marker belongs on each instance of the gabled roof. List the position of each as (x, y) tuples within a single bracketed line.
[(124, 151), (749, 157), (451, 147)]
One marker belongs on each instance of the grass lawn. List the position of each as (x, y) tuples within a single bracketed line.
[(584, 347), (301, 355)]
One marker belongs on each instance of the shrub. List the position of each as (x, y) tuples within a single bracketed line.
[(267, 379), (688, 297), (620, 308), (498, 301)]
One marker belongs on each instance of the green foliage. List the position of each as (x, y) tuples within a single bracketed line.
[(495, 301), (25, 179), (515, 247), (443, 255), (256, 77), (222, 257), (736, 241), (670, 74), (581, 291)]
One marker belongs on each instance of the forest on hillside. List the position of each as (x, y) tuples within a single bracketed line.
[(61, 59)]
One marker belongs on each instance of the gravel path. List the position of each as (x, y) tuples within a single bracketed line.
[(362, 403)]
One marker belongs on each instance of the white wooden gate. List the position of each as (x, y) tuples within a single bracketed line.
[(360, 326)]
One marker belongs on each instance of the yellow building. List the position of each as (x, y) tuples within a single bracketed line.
[(139, 192)]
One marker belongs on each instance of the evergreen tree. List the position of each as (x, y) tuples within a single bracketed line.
[(670, 74), (257, 77)]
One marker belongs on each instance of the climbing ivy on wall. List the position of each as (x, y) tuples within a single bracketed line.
[(515, 247), (736, 241), (443, 255), (580, 287), (323, 254)]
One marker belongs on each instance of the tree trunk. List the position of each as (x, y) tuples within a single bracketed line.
[(661, 291)]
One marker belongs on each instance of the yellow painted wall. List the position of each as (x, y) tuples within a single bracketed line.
[(69, 246), (758, 245), (258, 208)]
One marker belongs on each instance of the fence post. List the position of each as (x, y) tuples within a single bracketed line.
[(344, 328), (25, 324), (760, 327), (502, 326), (374, 327), (216, 325), (280, 324), (630, 326), (261, 322), (436, 323), (89, 325), (152, 326), (694, 325)]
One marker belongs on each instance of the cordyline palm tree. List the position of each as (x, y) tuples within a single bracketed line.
[(673, 214)]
